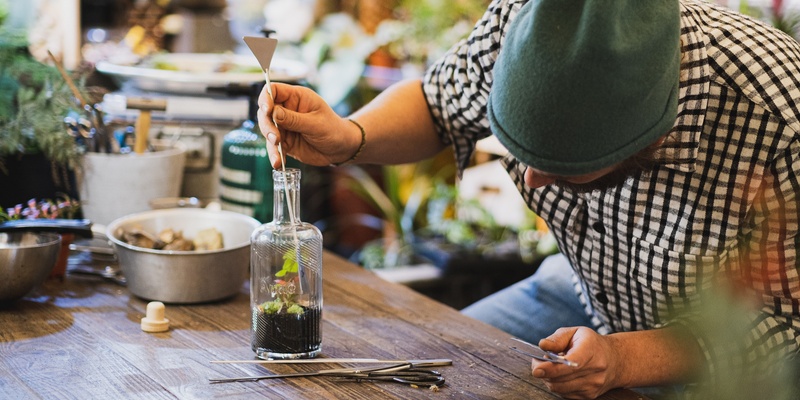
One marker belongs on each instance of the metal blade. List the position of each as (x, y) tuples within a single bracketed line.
[(543, 355), (263, 48)]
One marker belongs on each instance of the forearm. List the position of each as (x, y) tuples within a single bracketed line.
[(398, 126), (656, 357)]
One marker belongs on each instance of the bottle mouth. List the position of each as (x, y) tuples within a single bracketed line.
[(278, 175)]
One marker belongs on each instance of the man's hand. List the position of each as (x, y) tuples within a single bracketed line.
[(598, 363), (654, 357), (307, 128)]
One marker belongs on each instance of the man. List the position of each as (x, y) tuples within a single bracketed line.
[(658, 140)]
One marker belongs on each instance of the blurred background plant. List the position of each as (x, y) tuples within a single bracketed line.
[(63, 207), (722, 316), (776, 12), (34, 99), (4, 11), (423, 215), (422, 30), (402, 193)]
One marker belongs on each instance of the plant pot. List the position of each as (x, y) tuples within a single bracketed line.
[(116, 185), (60, 269)]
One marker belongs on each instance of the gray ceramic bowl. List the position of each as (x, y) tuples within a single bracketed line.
[(185, 276), (26, 259)]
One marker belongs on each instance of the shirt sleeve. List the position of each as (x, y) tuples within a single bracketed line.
[(456, 86)]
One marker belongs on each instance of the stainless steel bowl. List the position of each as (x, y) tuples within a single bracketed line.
[(185, 276), (26, 260)]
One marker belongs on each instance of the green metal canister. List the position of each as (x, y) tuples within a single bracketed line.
[(246, 175)]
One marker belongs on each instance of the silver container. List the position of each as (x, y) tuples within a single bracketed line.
[(185, 276), (26, 259)]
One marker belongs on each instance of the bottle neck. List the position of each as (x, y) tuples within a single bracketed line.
[(286, 196)]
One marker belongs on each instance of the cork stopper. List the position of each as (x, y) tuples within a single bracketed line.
[(154, 320)]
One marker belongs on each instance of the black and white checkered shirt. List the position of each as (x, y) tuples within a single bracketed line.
[(726, 202)]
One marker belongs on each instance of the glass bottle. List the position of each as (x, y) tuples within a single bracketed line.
[(286, 278)]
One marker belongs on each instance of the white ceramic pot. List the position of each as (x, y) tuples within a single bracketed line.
[(115, 185)]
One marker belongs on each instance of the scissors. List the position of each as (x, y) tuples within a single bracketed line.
[(543, 355), (404, 373)]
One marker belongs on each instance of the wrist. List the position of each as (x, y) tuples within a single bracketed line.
[(362, 141)]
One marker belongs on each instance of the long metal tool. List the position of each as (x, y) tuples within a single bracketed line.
[(435, 362), (263, 48), (402, 372), (538, 353)]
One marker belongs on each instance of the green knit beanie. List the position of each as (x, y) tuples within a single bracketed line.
[(582, 85)]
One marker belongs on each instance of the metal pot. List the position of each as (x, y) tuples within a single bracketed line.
[(185, 276), (26, 259), (28, 253)]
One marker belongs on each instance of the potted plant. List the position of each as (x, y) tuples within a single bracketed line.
[(61, 207), (37, 154), (398, 199), (284, 325)]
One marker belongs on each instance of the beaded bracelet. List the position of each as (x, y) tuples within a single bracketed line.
[(360, 147)]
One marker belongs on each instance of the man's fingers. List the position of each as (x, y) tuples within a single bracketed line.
[(559, 341), (274, 156)]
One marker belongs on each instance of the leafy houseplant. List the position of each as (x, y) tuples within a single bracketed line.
[(403, 193), (427, 218), (34, 99)]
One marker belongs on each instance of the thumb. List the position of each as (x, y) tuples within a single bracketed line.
[(286, 119), (559, 341)]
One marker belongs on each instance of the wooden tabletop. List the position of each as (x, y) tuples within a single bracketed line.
[(81, 338)]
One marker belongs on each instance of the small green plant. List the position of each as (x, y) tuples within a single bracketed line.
[(285, 289)]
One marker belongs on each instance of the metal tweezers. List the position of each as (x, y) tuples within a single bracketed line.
[(406, 373), (542, 355)]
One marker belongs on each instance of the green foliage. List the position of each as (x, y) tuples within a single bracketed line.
[(34, 99), (4, 11), (285, 288), (290, 264), (788, 23), (439, 15), (474, 224), (430, 27)]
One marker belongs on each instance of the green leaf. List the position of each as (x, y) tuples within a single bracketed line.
[(290, 264)]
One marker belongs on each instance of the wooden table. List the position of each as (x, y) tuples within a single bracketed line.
[(81, 339)]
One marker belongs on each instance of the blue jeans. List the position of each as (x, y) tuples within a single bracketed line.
[(534, 308)]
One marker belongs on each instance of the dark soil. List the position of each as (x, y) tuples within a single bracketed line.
[(287, 333)]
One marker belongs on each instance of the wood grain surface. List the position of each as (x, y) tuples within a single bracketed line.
[(81, 339)]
